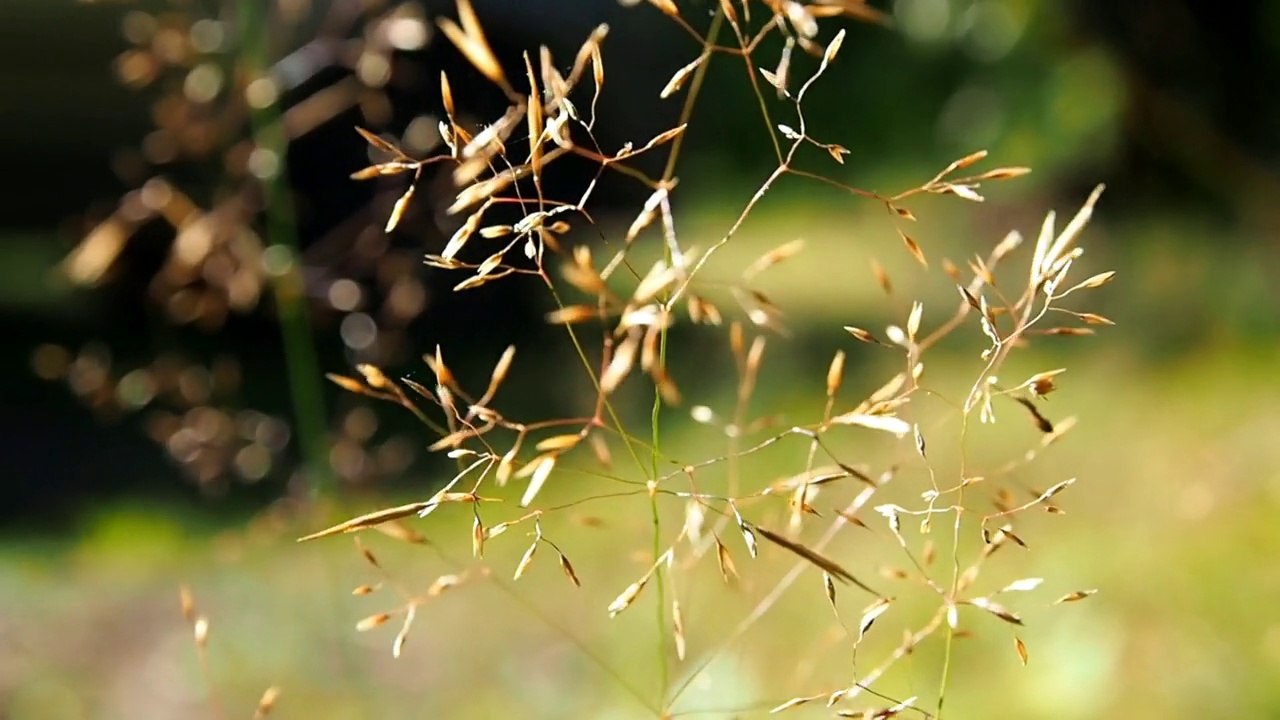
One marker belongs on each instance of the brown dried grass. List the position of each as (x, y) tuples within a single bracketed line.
[(636, 310), (618, 315)]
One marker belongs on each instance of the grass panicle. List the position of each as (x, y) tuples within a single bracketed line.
[(871, 466), (630, 309)]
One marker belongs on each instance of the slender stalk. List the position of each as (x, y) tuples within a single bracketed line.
[(302, 366), (654, 419)]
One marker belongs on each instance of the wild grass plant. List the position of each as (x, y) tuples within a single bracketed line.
[(521, 478), (887, 520)]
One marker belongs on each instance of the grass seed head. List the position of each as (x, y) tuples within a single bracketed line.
[(266, 703), (632, 310), (628, 596)]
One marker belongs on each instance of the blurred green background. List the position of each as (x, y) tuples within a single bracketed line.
[(166, 422)]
